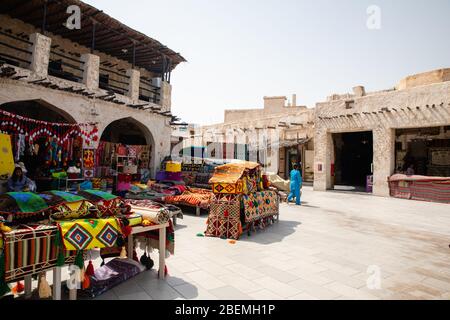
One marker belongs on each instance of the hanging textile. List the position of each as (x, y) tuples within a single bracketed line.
[(34, 129), (6, 155)]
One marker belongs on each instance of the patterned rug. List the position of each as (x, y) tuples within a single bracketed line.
[(107, 203), (66, 196), (224, 220), (96, 195), (194, 197), (31, 249), (27, 204), (85, 234), (232, 172), (260, 205)]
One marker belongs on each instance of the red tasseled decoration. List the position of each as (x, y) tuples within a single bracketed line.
[(126, 231), (90, 269)]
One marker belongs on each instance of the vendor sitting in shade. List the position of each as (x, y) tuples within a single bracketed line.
[(19, 182)]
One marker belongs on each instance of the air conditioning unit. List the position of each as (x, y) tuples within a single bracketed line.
[(156, 82)]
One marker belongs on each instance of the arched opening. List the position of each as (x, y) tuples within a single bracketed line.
[(127, 131), (42, 147), (38, 110), (126, 151)]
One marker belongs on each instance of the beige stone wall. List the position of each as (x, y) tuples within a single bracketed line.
[(83, 109), (422, 106), (252, 131), (425, 78), (75, 106), (235, 115), (273, 106), (166, 96)]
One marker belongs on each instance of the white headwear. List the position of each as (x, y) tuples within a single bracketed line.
[(21, 165)]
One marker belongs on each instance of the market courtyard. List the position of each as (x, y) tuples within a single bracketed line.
[(326, 249)]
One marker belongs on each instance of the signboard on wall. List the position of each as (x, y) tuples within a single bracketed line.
[(319, 167), (440, 157)]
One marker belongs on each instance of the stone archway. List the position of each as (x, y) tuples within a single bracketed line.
[(130, 131), (39, 110)]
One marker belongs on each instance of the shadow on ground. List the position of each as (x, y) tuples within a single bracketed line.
[(273, 233)]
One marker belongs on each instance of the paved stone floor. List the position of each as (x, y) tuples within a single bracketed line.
[(332, 247)]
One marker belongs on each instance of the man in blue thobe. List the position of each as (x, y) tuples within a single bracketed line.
[(296, 184)]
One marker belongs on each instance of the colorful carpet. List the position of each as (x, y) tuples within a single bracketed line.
[(224, 220), (27, 204), (96, 195), (260, 205), (31, 249), (85, 234), (107, 203), (194, 197)]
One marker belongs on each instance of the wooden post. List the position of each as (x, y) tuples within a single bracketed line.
[(162, 252), (28, 282), (93, 36), (134, 54), (57, 283), (73, 294), (44, 18)]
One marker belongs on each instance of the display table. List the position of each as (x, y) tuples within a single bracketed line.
[(162, 243), (135, 230), (33, 248)]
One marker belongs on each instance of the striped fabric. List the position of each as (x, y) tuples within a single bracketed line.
[(433, 191), (29, 250)]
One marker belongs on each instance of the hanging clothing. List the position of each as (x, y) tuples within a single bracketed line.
[(296, 184)]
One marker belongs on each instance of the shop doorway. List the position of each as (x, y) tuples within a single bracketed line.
[(127, 131), (45, 154), (423, 151), (353, 158), (293, 156), (125, 154)]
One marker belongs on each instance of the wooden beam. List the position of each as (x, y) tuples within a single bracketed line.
[(84, 37), (112, 44), (13, 8), (34, 15)]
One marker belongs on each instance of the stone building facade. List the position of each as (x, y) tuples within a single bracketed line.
[(77, 90), (418, 101), (267, 135), (390, 124)]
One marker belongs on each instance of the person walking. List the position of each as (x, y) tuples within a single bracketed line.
[(296, 184)]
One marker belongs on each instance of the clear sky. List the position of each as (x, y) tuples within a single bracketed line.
[(241, 50)]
